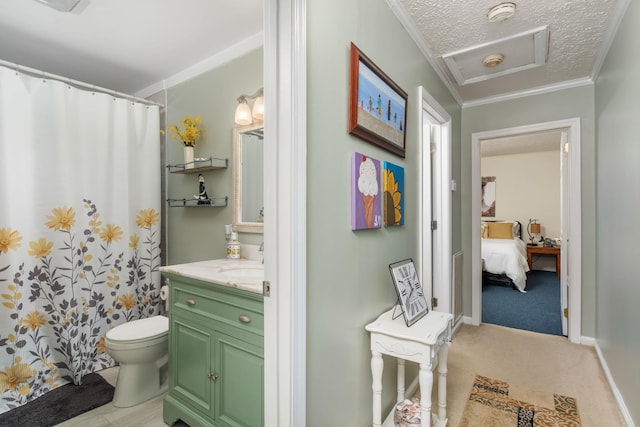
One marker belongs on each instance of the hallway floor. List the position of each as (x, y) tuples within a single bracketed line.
[(538, 361)]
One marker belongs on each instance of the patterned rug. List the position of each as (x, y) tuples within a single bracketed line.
[(494, 403)]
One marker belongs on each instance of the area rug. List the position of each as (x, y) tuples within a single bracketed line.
[(60, 404), (495, 403)]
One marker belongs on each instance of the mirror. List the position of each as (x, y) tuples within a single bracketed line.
[(248, 178)]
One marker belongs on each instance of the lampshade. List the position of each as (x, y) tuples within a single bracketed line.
[(535, 228), (243, 113), (258, 108)]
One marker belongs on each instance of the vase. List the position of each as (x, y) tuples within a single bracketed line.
[(188, 157)]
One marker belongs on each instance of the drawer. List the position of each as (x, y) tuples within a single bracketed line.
[(230, 309)]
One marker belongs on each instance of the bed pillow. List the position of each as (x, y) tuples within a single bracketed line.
[(500, 230), (484, 229)]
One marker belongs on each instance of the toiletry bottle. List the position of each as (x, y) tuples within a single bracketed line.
[(233, 246)]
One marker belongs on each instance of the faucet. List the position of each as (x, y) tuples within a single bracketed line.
[(261, 250)]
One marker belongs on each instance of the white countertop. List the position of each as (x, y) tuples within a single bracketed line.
[(241, 273)]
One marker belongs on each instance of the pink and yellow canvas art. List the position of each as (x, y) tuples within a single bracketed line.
[(365, 193)]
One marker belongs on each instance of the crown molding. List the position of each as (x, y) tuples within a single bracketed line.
[(229, 54)]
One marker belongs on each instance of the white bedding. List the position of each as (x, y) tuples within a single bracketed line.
[(508, 257)]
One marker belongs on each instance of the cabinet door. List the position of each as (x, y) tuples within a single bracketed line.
[(191, 364), (240, 386)]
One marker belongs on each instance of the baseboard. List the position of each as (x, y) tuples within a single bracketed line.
[(614, 388), (467, 320), (590, 341)]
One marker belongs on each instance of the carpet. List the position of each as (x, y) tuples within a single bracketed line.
[(494, 403), (539, 310), (60, 404)]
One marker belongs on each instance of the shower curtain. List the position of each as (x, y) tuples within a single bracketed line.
[(79, 229)]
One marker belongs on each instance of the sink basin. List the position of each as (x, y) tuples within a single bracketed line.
[(243, 273)]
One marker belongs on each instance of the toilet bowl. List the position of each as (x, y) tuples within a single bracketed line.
[(141, 347)]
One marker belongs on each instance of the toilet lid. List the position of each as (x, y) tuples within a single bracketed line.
[(140, 329)]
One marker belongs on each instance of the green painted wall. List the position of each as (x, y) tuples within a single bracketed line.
[(618, 209), (348, 281), (559, 105), (196, 234)]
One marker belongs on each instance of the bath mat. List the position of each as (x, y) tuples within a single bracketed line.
[(61, 404), (498, 403)]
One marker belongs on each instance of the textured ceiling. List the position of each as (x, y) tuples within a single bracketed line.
[(579, 30)]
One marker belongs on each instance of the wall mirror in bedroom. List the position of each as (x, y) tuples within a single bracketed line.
[(544, 191)]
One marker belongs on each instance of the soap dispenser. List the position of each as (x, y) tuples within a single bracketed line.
[(233, 246)]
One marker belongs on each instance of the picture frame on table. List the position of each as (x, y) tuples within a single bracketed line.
[(409, 290), (377, 105)]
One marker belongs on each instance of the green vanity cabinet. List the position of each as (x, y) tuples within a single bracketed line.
[(216, 355)]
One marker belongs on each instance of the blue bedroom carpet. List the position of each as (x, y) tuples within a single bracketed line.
[(539, 310)]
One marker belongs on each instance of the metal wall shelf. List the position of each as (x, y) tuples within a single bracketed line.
[(213, 202), (199, 165)]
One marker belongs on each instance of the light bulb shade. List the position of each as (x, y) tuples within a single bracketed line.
[(535, 228), (258, 109), (243, 114)]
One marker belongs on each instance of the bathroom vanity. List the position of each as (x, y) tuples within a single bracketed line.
[(216, 348)]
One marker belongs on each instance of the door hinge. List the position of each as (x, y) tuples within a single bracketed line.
[(566, 312), (434, 225), (434, 302), (266, 288)]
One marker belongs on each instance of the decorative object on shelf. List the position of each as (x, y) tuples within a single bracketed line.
[(202, 197), (409, 290), (244, 114), (488, 196), (188, 157), (533, 228), (393, 200), (233, 247), (365, 193), (377, 106), (190, 131), (408, 413)]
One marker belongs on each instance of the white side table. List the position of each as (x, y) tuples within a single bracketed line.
[(426, 342)]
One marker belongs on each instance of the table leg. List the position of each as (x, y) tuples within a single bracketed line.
[(377, 365), (443, 354), (426, 384), (400, 380)]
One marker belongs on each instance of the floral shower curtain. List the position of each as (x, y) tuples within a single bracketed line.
[(79, 229)]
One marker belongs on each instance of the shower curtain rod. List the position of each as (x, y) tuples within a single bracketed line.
[(75, 83)]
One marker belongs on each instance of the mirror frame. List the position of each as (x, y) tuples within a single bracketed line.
[(237, 223)]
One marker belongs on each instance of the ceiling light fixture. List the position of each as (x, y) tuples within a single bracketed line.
[(502, 11), (60, 5), (493, 60)]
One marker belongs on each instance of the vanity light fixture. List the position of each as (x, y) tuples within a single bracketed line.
[(501, 12), (60, 5), (244, 115)]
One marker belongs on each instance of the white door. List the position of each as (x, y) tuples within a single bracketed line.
[(565, 207), (434, 189)]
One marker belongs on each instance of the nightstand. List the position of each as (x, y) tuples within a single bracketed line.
[(543, 250)]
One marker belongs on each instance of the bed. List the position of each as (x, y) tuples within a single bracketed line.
[(504, 253)]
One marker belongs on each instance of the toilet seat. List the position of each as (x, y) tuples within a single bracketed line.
[(141, 330)]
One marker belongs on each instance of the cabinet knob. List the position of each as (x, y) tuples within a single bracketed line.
[(190, 301), (212, 376), (244, 318)]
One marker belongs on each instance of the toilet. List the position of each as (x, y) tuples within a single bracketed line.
[(141, 347)]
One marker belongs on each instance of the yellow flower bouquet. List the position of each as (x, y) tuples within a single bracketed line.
[(190, 131)]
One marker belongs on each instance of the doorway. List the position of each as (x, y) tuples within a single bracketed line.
[(570, 218), (434, 192)]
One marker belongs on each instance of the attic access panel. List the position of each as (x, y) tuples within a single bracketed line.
[(521, 52)]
